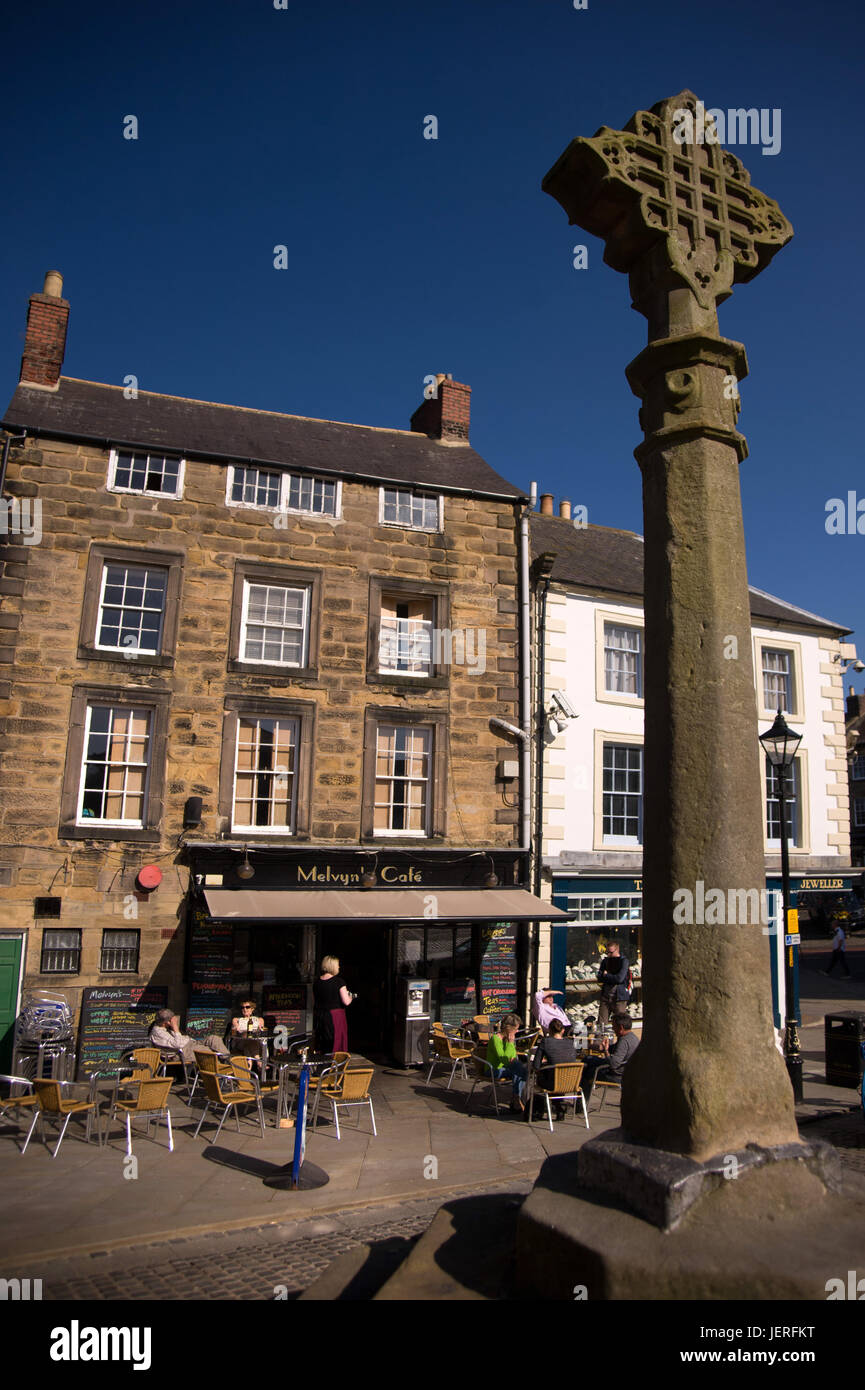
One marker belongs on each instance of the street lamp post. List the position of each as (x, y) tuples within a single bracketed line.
[(780, 745)]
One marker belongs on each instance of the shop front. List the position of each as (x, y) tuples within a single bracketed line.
[(608, 909), (455, 919), (603, 911)]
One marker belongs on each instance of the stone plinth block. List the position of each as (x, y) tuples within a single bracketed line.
[(777, 1231), (661, 1186)]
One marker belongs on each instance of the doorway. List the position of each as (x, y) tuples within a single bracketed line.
[(11, 952), (362, 951)]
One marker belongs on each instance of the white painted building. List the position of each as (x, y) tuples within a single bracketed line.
[(591, 622)]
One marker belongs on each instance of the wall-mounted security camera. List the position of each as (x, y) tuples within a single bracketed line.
[(859, 665), (563, 704)]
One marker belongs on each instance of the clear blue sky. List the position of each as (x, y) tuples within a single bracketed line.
[(304, 127)]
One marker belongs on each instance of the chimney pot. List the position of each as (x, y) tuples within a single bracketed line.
[(565, 509), (45, 339), (547, 504)]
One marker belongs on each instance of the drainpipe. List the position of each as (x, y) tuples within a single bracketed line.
[(526, 716), (542, 570), (526, 681)]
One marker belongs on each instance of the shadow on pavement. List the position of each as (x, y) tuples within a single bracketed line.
[(242, 1163)]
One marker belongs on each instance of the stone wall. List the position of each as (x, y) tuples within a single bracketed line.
[(43, 590)]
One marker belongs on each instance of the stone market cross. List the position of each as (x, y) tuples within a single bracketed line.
[(684, 222)]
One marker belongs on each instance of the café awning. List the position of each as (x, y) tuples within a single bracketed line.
[(403, 905)]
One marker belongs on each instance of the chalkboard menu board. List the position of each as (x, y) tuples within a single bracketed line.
[(499, 968), (285, 1008), (113, 1020), (210, 961), (457, 1000), (201, 1022)]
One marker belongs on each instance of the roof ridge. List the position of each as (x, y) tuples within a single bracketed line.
[(275, 414)]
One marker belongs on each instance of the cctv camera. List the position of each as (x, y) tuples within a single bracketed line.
[(561, 701), (859, 665)]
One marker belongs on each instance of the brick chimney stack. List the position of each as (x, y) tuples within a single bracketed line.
[(446, 415), (855, 703), (45, 341)]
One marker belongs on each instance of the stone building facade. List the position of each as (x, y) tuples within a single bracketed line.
[(305, 624), (589, 615)]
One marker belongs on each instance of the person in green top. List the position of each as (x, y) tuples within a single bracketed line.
[(502, 1054)]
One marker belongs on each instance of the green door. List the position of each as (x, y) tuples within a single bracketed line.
[(10, 974)]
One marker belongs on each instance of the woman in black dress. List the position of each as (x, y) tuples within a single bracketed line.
[(331, 999)]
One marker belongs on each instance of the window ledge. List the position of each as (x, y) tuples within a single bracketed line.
[(138, 835)]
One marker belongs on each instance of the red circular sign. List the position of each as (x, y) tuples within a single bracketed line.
[(149, 877)]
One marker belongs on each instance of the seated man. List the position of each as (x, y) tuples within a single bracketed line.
[(553, 1051), (165, 1032), (611, 1067), (545, 1009)]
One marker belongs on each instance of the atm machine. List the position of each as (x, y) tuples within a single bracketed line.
[(411, 1021)]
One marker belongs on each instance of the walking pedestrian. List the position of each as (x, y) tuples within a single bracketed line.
[(839, 941)]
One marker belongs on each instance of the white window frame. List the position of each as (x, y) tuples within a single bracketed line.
[(130, 564), (623, 840), (794, 651), (857, 767), (244, 618), (305, 511), (289, 828), (413, 493), (139, 824), (284, 484), (634, 620), (252, 468), (639, 654), (113, 486), (794, 841), (422, 625), (429, 731), (602, 840)]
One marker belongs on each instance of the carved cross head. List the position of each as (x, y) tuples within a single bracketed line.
[(670, 202)]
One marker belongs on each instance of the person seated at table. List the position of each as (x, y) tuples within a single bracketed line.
[(165, 1032), (554, 1050), (243, 1032), (545, 1009), (611, 1066), (502, 1054)]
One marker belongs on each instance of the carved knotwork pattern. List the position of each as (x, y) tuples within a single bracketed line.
[(700, 194)]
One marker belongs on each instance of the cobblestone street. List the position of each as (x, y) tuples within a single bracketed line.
[(281, 1260), (262, 1263)]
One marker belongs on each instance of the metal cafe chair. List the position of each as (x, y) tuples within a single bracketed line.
[(152, 1102), (21, 1095), (173, 1057), (560, 1082), (348, 1093), (212, 1063), (486, 1072), (52, 1105), (138, 1064), (445, 1053), (230, 1094)]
